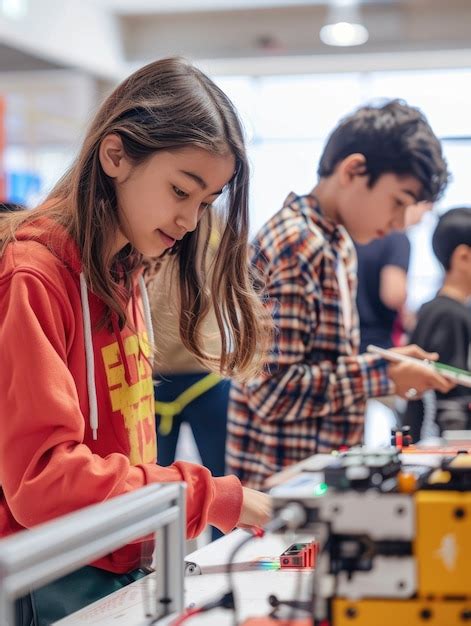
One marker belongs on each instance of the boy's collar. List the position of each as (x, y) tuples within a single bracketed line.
[(328, 225)]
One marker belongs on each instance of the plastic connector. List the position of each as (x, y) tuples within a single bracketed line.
[(292, 517)]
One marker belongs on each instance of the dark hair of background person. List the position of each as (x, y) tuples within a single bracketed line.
[(453, 229)]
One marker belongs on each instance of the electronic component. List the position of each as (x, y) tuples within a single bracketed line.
[(401, 437), (394, 538), (300, 555), (362, 468)]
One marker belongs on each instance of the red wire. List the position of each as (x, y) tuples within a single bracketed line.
[(189, 613)]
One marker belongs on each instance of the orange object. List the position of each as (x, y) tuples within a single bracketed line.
[(406, 482)]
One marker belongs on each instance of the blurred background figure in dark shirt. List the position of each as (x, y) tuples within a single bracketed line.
[(381, 298), (382, 287), (382, 283), (444, 326)]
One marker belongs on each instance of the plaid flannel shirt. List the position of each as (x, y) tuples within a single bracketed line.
[(312, 398)]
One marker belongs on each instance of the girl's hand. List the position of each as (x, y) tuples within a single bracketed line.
[(256, 509)]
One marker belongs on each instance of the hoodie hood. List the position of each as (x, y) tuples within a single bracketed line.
[(58, 242), (55, 239)]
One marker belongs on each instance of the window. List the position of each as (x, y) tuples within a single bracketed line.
[(288, 119)]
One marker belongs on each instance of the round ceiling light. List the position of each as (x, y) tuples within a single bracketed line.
[(344, 34)]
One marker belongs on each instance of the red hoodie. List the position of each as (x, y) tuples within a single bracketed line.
[(50, 463)]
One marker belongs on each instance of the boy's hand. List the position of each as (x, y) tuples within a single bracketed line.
[(418, 376), (256, 509)]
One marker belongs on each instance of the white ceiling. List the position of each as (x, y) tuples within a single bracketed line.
[(291, 29), (107, 38), (135, 7)]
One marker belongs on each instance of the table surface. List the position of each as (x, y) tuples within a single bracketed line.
[(252, 588)]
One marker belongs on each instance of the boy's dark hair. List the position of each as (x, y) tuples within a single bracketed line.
[(452, 230), (394, 139), (8, 207)]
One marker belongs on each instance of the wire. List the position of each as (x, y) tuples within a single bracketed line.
[(429, 423), (297, 594), (292, 516), (295, 604), (185, 616), (225, 601), (255, 534), (324, 546)]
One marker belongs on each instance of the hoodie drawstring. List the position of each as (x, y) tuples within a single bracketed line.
[(147, 315), (89, 357)]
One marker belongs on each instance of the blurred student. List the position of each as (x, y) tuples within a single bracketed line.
[(444, 326), (377, 162), (382, 287), (382, 283), (76, 392), (185, 390)]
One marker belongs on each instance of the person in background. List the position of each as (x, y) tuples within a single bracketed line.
[(381, 300), (382, 283), (382, 287), (185, 390), (377, 162), (77, 423), (444, 326)]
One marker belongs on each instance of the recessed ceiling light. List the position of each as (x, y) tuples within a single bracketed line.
[(344, 34), (343, 26)]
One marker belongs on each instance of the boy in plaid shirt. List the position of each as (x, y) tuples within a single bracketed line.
[(376, 163)]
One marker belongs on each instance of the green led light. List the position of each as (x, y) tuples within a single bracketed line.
[(321, 489)]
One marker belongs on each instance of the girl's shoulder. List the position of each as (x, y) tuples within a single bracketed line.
[(36, 260)]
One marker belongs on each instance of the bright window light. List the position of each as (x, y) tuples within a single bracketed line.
[(14, 9)]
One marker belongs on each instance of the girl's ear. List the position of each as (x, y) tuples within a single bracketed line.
[(113, 158), (353, 165)]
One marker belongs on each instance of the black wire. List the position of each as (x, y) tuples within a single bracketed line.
[(322, 548), (230, 570), (226, 601), (297, 594), (277, 523), (297, 605)]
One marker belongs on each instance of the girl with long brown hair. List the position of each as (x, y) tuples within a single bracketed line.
[(76, 393)]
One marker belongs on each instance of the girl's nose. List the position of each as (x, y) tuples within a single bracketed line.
[(188, 219)]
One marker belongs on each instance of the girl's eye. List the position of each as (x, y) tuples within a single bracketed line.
[(179, 192)]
